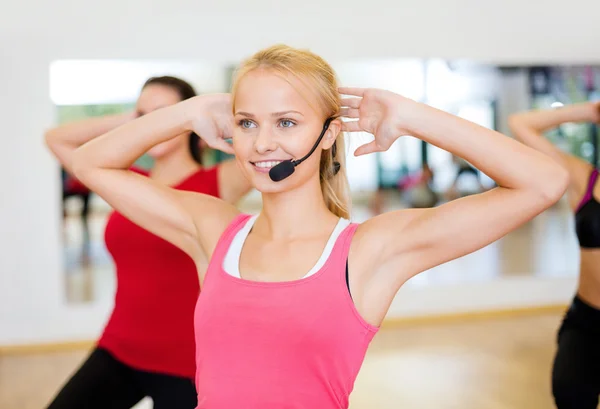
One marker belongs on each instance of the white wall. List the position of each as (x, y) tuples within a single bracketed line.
[(35, 33), (79, 82), (508, 30)]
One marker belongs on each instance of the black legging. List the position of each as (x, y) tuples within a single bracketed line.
[(103, 382), (576, 371)]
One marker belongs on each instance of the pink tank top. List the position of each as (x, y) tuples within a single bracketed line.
[(296, 344)]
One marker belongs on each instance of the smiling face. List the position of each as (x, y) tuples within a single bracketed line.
[(278, 118), (282, 97)]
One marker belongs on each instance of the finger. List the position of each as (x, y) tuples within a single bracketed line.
[(223, 146), (368, 148), (358, 92), (227, 127), (351, 102), (351, 126), (350, 113)]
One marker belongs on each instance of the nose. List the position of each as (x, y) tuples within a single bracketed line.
[(264, 141)]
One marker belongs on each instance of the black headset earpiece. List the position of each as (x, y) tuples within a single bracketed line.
[(336, 164), (336, 167)]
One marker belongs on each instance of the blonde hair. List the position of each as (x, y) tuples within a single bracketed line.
[(320, 77)]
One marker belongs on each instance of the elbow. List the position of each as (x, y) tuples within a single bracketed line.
[(514, 123), (555, 183), (80, 165), (50, 139)]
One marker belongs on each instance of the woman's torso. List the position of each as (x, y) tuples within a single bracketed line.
[(151, 325), (291, 344), (587, 227)]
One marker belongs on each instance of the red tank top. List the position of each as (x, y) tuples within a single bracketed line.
[(151, 326), (295, 344)]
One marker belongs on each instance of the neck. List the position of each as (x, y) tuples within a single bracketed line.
[(297, 213), (174, 167)]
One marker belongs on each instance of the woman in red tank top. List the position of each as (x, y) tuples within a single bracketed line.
[(147, 347), (291, 298)]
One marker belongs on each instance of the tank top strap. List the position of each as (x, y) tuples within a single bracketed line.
[(593, 178), (226, 238), (590, 189), (341, 249)]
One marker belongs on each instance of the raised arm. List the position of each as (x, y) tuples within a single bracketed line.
[(191, 221), (65, 139), (528, 127), (397, 245)]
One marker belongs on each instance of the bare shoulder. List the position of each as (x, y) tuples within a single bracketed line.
[(380, 234), (578, 168), (579, 174), (374, 280)]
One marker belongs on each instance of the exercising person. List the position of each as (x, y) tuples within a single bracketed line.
[(576, 369), (147, 347), (292, 297)]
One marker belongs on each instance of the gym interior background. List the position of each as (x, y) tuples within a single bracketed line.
[(486, 319)]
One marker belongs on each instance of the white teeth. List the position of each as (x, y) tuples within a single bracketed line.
[(267, 164)]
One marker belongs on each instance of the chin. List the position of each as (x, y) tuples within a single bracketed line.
[(163, 149), (264, 184), (157, 152), (154, 156)]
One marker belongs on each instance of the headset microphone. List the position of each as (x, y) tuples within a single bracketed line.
[(286, 168)]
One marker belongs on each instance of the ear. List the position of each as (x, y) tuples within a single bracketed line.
[(335, 127)]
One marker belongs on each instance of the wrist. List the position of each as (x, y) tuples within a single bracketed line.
[(593, 109), (582, 112), (409, 115), (189, 110)]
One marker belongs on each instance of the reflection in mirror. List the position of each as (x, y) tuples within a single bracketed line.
[(409, 174), (98, 89)]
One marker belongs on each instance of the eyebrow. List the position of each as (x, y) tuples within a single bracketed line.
[(274, 114)]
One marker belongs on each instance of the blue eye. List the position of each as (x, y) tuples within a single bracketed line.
[(247, 124), (286, 123)]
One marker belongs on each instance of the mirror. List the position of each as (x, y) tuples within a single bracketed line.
[(483, 93)]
